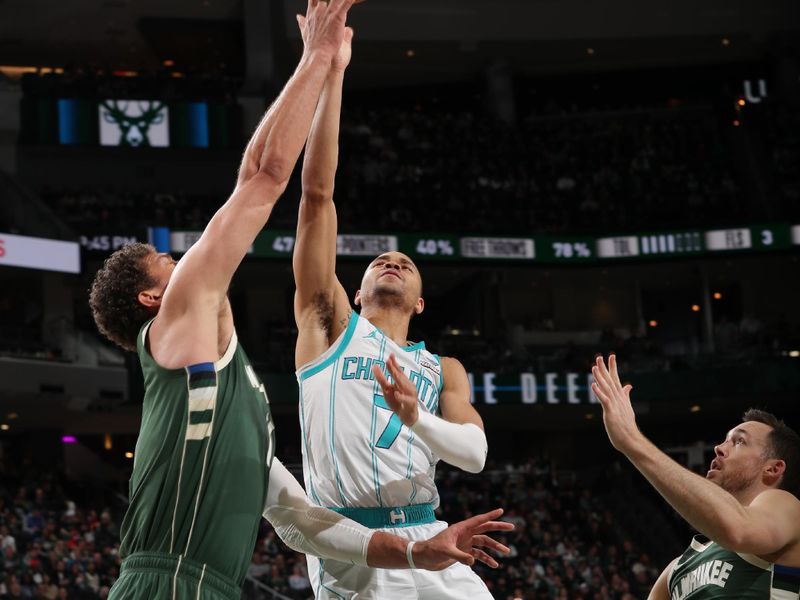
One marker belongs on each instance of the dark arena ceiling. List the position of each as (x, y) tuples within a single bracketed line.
[(402, 41)]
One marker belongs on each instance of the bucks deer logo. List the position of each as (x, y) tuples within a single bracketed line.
[(134, 123)]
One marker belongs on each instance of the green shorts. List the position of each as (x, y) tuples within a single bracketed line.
[(152, 576)]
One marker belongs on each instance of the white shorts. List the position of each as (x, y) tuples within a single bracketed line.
[(334, 580)]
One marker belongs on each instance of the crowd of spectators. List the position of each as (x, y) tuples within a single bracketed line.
[(570, 540), (53, 545), (783, 142), (414, 169)]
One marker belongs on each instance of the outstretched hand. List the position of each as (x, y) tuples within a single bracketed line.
[(618, 415), (323, 26), (463, 542), (401, 396)]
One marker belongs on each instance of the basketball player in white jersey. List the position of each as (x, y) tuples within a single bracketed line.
[(370, 446)]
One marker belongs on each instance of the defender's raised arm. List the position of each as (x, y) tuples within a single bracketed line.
[(268, 161)]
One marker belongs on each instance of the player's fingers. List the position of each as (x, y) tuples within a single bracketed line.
[(601, 395), (484, 541), (396, 372), (464, 558), (493, 526), (612, 367), (627, 390), (348, 34), (601, 375), (340, 6), (480, 555), (382, 380), (602, 370), (600, 381), (478, 520)]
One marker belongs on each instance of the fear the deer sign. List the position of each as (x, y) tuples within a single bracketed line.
[(134, 123)]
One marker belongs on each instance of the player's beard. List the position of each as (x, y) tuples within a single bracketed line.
[(734, 482), (391, 297)]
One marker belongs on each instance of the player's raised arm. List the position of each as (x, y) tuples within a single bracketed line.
[(764, 525), (318, 531), (206, 270), (457, 438), (321, 305)]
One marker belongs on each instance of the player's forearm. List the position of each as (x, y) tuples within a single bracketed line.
[(705, 505), (461, 445), (322, 149), (276, 144)]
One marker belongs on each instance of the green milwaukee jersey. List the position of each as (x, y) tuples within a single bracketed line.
[(201, 465), (707, 571)]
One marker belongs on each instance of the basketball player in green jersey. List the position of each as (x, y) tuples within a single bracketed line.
[(204, 471), (746, 508)]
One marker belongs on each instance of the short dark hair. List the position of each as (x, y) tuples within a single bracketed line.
[(113, 296), (783, 443)]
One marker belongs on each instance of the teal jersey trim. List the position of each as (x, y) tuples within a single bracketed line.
[(409, 348), (348, 335), (389, 517), (435, 410), (331, 421), (373, 429)]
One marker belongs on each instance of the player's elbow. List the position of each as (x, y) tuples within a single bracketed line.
[(276, 168), (474, 464), (317, 194), (475, 460)]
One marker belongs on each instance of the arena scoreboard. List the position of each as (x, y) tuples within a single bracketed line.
[(527, 249)]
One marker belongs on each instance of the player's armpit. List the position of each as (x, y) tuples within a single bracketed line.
[(771, 524), (660, 589)]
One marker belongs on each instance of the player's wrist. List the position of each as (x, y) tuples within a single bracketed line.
[(420, 555), (318, 56), (417, 419)]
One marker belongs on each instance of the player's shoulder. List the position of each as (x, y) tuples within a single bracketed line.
[(778, 499), (452, 367)]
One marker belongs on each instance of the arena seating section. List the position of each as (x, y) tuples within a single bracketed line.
[(574, 539)]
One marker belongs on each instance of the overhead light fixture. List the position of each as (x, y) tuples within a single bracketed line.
[(725, 41), (653, 323), (695, 308), (410, 53), (169, 63), (695, 408), (4, 427), (590, 51), (129, 455), (717, 296)]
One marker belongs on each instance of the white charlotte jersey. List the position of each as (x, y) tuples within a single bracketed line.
[(356, 452)]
